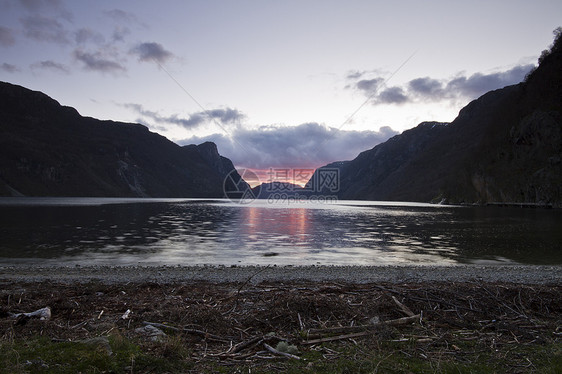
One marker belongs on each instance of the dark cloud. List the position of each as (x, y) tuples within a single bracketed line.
[(98, 62), (151, 52), (86, 35), (227, 116), (355, 74), (478, 84), (6, 37), (50, 65), (393, 95), (427, 89), (9, 68), (369, 86), (44, 29), (309, 145)]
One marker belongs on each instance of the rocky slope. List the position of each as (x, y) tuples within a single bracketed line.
[(51, 150), (505, 146)]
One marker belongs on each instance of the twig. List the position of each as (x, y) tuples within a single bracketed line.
[(339, 337), (240, 346), (378, 364), (403, 307), (249, 279), (205, 334), (243, 285), (367, 330), (162, 326), (392, 322), (300, 321)]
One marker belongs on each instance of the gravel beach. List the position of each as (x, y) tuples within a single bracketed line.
[(522, 274)]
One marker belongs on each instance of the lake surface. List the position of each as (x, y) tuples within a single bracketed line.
[(195, 231)]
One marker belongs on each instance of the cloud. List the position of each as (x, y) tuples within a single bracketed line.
[(121, 16), (427, 89), (98, 62), (43, 7), (38, 5), (226, 116), (308, 145), (151, 52), (478, 84), (6, 37), (9, 68), (50, 65), (119, 33), (354, 74), (393, 95), (44, 29), (369, 86), (86, 35)]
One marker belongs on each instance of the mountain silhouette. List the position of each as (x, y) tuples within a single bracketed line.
[(51, 150)]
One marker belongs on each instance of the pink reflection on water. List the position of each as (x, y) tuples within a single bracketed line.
[(289, 225)]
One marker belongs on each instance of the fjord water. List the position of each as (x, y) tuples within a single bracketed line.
[(118, 231)]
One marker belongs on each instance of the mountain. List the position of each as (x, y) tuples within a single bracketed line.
[(277, 190), (366, 177), (505, 146), (51, 150)]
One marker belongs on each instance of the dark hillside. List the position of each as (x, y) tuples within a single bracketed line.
[(505, 146), (50, 150)]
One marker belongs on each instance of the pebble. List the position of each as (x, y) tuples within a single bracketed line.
[(521, 274)]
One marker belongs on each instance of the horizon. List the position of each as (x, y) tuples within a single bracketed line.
[(275, 86)]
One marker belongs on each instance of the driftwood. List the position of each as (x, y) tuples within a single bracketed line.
[(363, 330), (277, 352), (205, 334), (392, 322), (240, 346), (43, 314), (497, 319), (339, 337), (403, 307)]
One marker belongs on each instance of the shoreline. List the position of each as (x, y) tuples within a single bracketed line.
[(519, 274)]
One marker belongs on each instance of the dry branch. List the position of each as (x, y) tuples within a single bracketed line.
[(275, 351), (339, 337), (205, 334), (403, 307), (240, 346), (392, 322)]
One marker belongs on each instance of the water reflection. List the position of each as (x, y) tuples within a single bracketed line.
[(202, 232)]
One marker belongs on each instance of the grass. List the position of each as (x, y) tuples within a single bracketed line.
[(41, 355)]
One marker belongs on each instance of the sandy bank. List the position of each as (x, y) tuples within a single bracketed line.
[(346, 274)]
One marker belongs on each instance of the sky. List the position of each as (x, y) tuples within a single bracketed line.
[(276, 85)]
